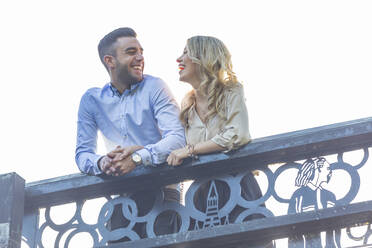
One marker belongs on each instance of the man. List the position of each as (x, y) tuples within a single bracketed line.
[(136, 114)]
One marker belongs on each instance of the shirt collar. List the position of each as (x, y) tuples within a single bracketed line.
[(314, 187), (114, 91), (132, 89)]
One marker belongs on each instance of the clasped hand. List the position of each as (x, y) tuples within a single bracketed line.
[(177, 156), (118, 162)]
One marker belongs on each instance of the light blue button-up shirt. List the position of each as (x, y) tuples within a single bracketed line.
[(146, 114)]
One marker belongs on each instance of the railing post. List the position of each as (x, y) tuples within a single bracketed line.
[(12, 191)]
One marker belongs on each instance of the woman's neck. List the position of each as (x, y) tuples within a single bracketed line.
[(200, 96)]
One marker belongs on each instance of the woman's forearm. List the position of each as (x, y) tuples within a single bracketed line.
[(207, 147), (177, 156)]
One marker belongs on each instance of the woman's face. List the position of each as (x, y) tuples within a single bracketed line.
[(189, 71), (325, 173)]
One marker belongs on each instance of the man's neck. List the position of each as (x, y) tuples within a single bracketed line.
[(121, 87)]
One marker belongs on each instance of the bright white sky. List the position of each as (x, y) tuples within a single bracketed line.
[(303, 64)]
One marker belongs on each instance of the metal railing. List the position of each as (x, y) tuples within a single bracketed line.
[(321, 210)]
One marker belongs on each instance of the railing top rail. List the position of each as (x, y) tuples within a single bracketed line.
[(319, 141)]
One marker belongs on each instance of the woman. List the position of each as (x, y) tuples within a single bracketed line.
[(213, 113)]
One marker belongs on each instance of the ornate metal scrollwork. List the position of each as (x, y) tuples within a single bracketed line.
[(218, 201)]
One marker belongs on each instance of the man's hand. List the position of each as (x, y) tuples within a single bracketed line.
[(124, 166), (121, 153), (176, 157), (105, 164), (118, 168), (118, 162), (115, 154)]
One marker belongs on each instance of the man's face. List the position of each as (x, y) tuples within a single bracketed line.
[(129, 60)]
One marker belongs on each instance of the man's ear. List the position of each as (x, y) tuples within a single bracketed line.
[(109, 61)]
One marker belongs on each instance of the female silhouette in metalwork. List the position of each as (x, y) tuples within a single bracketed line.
[(312, 196)]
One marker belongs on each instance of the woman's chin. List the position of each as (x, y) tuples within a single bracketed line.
[(182, 79)]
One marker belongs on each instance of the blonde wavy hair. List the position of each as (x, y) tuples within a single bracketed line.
[(217, 75)]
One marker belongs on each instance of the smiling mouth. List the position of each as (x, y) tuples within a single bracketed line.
[(137, 68), (181, 67)]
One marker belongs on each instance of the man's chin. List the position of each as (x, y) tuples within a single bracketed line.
[(137, 78)]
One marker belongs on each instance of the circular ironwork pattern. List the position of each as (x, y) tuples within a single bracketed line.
[(255, 203), (75, 226), (101, 234), (106, 214)]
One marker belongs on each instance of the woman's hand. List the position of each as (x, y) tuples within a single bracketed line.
[(176, 157)]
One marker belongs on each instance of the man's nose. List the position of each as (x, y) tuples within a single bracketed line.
[(139, 56)]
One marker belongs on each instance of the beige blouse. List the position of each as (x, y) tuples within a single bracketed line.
[(230, 133)]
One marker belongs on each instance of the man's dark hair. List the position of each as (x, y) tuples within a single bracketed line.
[(105, 46)]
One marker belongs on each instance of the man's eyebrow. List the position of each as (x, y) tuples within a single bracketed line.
[(133, 48)]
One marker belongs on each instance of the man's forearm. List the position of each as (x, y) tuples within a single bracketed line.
[(160, 151), (88, 163)]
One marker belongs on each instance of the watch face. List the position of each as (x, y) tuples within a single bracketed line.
[(136, 158)]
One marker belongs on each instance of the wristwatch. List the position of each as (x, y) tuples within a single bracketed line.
[(136, 158)]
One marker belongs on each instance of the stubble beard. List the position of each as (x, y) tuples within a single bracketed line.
[(126, 78)]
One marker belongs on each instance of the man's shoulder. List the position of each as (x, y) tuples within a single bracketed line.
[(153, 81), (95, 91)]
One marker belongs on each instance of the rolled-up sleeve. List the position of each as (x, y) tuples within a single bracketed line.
[(166, 113), (236, 131), (86, 142)]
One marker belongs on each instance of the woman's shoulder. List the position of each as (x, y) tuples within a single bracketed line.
[(232, 90)]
